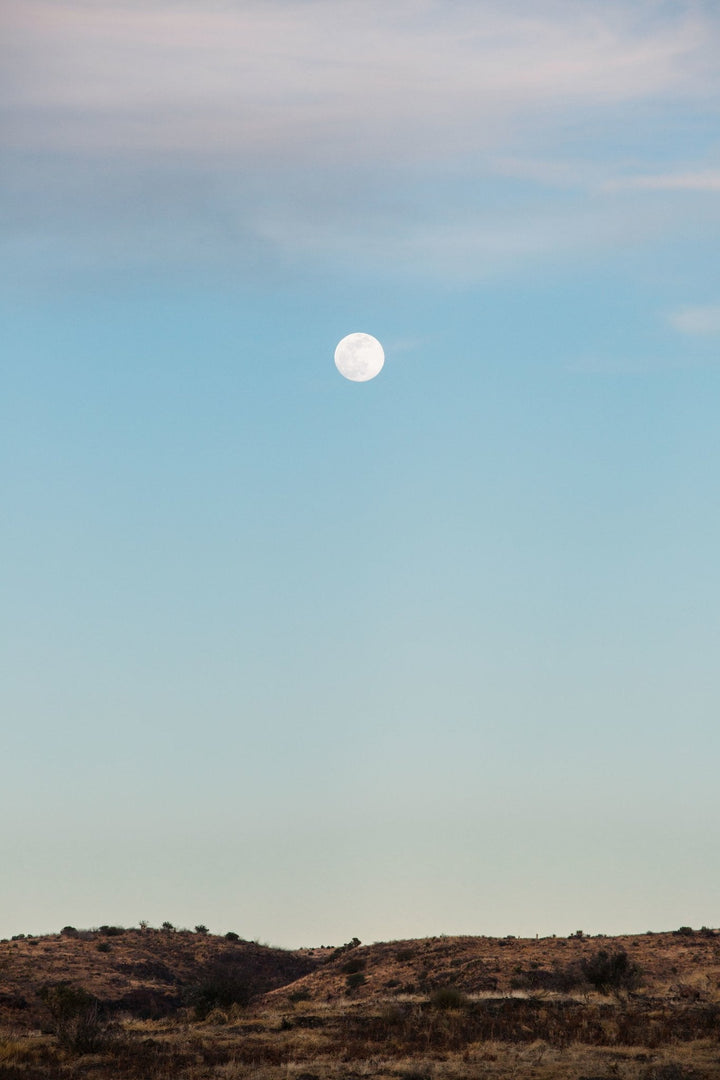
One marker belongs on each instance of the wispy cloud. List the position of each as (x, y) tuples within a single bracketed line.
[(291, 77), (437, 138), (700, 180), (698, 320)]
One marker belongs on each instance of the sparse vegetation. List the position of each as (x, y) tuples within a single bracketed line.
[(153, 1005)]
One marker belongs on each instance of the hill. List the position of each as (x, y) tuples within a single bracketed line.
[(144, 973), (147, 1004)]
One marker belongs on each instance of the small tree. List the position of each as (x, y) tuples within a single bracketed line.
[(201, 929)]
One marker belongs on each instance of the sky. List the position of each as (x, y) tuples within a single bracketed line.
[(308, 659)]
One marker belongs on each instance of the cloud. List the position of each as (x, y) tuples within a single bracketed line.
[(696, 320), (700, 180), (291, 78), (457, 139)]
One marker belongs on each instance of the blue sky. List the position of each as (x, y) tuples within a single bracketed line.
[(309, 659)]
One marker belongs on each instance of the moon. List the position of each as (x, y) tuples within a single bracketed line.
[(359, 357)]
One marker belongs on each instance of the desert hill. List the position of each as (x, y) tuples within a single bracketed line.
[(143, 972), (683, 964), (146, 1004), (151, 973)]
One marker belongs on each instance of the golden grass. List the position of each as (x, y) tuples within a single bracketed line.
[(499, 1013)]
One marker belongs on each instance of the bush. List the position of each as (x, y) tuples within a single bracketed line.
[(69, 931), (75, 1016), (201, 929), (352, 944), (560, 979), (232, 936), (354, 980), (218, 990), (351, 967), (104, 946), (611, 971), (448, 997)]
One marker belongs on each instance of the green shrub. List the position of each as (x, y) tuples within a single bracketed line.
[(201, 929), (103, 946), (354, 980), (232, 936)]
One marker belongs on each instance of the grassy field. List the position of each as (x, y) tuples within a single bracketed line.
[(160, 1005)]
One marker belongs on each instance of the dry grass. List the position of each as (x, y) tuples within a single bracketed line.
[(438, 1009)]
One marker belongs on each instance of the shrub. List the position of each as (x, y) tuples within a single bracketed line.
[(684, 931), (354, 980), (558, 978), (611, 971), (201, 929), (218, 990), (352, 944), (75, 1015), (403, 955), (448, 997), (69, 931), (358, 963), (167, 926), (103, 946), (232, 936)]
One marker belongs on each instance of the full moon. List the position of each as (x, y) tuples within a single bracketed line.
[(359, 357)]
